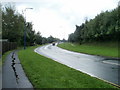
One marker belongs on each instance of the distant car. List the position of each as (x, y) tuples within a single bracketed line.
[(53, 43)]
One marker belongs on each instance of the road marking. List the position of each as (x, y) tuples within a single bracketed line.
[(111, 63), (46, 47)]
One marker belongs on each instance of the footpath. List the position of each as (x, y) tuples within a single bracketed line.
[(13, 75)]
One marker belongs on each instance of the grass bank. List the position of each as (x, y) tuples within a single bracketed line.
[(2, 60), (109, 49), (46, 73)]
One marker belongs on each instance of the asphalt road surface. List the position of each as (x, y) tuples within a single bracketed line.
[(9, 79), (103, 68)]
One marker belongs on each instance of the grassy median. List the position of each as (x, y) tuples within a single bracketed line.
[(109, 49), (46, 73)]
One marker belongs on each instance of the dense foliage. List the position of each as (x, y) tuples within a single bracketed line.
[(104, 27), (15, 27), (12, 24)]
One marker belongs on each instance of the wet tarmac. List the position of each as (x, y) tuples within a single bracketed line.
[(13, 76), (96, 66)]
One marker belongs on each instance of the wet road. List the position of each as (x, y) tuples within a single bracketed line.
[(96, 66), (9, 79)]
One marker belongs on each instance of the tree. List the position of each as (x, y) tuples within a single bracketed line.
[(104, 27), (0, 22), (44, 40), (51, 39), (38, 38), (12, 24), (30, 34), (71, 38)]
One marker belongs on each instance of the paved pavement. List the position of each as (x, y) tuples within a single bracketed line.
[(13, 74), (0, 77), (95, 66)]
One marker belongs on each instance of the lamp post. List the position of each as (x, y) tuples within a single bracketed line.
[(25, 27)]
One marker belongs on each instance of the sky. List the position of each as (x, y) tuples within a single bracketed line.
[(59, 17)]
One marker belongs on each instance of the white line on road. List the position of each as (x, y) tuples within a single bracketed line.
[(107, 62)]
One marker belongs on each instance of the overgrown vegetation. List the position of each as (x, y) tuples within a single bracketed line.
[(46, 73), (104, 27), (109, 49)]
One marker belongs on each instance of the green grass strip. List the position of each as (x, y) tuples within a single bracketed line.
[(2, 60), (102, 49), (46, 73)]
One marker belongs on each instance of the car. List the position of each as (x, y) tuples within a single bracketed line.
[(53, 43)]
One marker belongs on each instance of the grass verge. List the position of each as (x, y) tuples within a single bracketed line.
[(2, 60), (103, 49), (46, 73)]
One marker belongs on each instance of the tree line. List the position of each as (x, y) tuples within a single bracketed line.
[(14, 26), (104, 27)]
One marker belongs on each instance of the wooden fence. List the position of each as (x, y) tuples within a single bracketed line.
[(7, 46)]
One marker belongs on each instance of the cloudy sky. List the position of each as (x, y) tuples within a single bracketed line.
[(59, 17)]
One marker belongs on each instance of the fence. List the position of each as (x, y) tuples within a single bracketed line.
[(6, 46)]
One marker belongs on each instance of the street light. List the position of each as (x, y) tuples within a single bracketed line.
[(25, 27)]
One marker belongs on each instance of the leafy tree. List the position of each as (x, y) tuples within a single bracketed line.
[(12, 24), (38, 38), (51, 39), (0, 22), (44, 40), (71, 38), (104, 27), (30, 34)]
